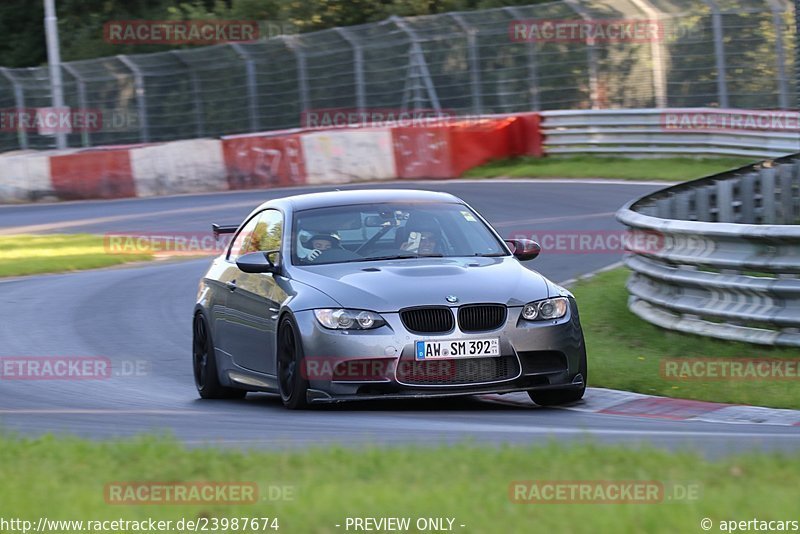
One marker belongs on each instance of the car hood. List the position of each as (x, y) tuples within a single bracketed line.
[(387, 286)]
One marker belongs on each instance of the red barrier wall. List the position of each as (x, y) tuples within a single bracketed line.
[(448, 151), (276, 159), (254, 162), (92, 174), (422, 152), (527, 138), (473, 145)]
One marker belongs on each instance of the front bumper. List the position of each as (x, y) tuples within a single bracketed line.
[(379, 363)]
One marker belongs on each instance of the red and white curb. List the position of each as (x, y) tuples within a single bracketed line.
[(625, 403)]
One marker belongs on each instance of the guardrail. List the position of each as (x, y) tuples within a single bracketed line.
[(695, 131), (728, 261)]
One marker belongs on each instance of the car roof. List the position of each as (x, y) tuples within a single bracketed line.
[(358, 196)]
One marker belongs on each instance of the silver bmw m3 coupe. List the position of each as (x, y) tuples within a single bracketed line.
[(367, 294)]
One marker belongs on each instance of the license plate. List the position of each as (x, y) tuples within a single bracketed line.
[(457, 348)]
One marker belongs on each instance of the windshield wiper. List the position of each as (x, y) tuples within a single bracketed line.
[(492, 255)]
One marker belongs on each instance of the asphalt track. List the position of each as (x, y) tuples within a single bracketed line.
[(139, 318)]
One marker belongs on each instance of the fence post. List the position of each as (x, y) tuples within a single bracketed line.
[(474, 62), (747, 197), (419, 61), (780, 55), (591, 56), (54, 66), (302, 77), (197, 101), (766, 178), (141, 97), (19, 101), (358, 68), (657, 53), (252, 94), (719, 53), (85, 139), (797, 55), (533, 71), (703, 204), (725, 201)]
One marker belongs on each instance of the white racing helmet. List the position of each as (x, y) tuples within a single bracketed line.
[(302, 237)]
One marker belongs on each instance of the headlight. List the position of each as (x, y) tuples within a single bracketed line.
[(545, 310), (344, 319)]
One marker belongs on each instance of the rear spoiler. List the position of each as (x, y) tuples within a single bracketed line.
[(223, 229)]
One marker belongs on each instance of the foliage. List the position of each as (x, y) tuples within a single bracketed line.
[(80, 22)]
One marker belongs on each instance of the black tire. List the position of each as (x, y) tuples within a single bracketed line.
[(204, 363), (291, 384), (556, 397)]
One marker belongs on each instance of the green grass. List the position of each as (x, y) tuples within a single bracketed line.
[(36, 254), (587, 166), (65, 479), (625, 352)]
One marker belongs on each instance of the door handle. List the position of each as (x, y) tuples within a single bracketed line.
[(231, 285)]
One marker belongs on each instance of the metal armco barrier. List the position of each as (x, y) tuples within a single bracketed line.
[(750, 133), (728, 263)]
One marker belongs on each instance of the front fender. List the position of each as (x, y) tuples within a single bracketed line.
[(301, 297)]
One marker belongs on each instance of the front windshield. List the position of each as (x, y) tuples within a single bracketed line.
[(371, 232)]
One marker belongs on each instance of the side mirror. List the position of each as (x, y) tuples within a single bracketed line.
[(524, 249), (259, 262)]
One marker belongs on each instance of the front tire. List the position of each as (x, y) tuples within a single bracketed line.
[(293, 387), (206, 377)]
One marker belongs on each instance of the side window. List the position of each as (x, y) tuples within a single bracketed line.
[(266, 234), (262, 233)]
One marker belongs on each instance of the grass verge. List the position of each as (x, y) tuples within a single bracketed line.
[(587, 166), (66, 479), (36, 254), (625, 352)]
